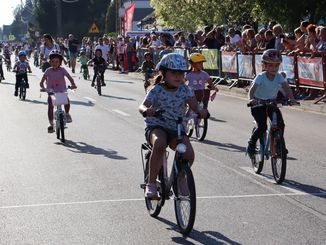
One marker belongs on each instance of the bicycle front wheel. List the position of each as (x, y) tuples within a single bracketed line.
[(201, 129), (24, 93), (185, 199), (257, 160), (99, 85), (190, 128), (62, 128), (278, 159)]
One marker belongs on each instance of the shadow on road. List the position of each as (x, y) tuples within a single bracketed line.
[(37, 102), (118, 81), (309, 189), (214, 119), (203, 237), (5, 83), (81, 147), (226, 146), (117, 97)]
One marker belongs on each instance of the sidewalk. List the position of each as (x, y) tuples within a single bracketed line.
[(306, 105)]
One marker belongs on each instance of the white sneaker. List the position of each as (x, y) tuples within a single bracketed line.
[(68, 118)]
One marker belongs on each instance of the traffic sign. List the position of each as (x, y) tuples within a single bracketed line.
[(94, 29)]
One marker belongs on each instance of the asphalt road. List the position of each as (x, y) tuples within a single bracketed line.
[(87, 190)]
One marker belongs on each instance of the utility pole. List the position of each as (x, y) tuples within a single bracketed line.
[(59, 18)]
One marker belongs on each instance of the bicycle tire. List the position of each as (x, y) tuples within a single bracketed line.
[(201, 128), (20, 90), (99, 85), (189, 128), (62, 128), (185, 203), (278, 159), (24, 92), (57, 128), (154, 206)]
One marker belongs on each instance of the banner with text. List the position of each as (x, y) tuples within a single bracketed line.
[(229, 62), (310, 71), (211, 59), (245, 66)]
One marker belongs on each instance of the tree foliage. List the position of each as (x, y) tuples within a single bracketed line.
[(191, 14), (77, 17)]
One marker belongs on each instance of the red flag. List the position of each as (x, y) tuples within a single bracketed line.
[(129, 16)]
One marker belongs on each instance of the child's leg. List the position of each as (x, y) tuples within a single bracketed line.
[(206, 98), (1, 71), (67, 107), (18, 77), (26, 80), (158, 139), (260, 116)]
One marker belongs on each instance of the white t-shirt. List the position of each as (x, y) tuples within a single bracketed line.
[(120, 47), (236, 38), (46, 51), (105, 50)]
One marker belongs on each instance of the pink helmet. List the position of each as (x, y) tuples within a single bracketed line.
[(272, 56)]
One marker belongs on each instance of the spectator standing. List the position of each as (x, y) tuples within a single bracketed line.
[(103, 47), (73, 51)]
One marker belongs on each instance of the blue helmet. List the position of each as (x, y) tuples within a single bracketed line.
[(22, 53), (173, 61)]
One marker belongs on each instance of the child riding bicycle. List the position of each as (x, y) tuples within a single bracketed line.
[(265, 87), (21, 67), (99, 66), (55, 83), (147, 69), (197, 79), (169, 94)]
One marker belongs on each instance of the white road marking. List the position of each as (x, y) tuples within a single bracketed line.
[(142, 199), (89, 99), (121, 112), (284, 185)]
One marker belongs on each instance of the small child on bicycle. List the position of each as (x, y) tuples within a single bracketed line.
[(197, 79), (56, 83), (147, 68), (167, 93), (99, 66), (266, 86), (83, 60), (21, 67)]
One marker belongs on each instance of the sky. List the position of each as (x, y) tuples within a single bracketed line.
[(6, 11)]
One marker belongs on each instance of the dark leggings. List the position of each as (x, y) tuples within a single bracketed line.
[(260, 115), (203, 96), (51, 107), (19, 77), (1, 71), (100, 70)]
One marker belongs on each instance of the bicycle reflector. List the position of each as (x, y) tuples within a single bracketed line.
[(181, 148)]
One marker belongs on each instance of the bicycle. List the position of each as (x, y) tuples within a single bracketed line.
[(99, 81), (272, 144), (22, 87), (169, 185), (200, 125), (58, 100)]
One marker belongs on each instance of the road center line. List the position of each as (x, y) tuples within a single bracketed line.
[(142, 199), (121, 112)]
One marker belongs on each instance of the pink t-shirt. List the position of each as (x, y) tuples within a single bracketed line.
[(55, 79)]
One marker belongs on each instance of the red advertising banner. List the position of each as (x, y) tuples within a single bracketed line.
[(129, 16), (245, 66), (310, 71), (229, 62)]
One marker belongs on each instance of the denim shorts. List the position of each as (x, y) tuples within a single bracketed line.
[(170, 134)]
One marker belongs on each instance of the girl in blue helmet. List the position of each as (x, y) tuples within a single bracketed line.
[(21, 67), (169, 94)]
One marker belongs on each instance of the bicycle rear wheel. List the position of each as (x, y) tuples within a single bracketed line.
[(154, 206), (190, 128), (278, 159), (185, 199), (201, 128)]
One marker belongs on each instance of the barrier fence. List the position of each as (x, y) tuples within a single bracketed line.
[(300, 71)]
